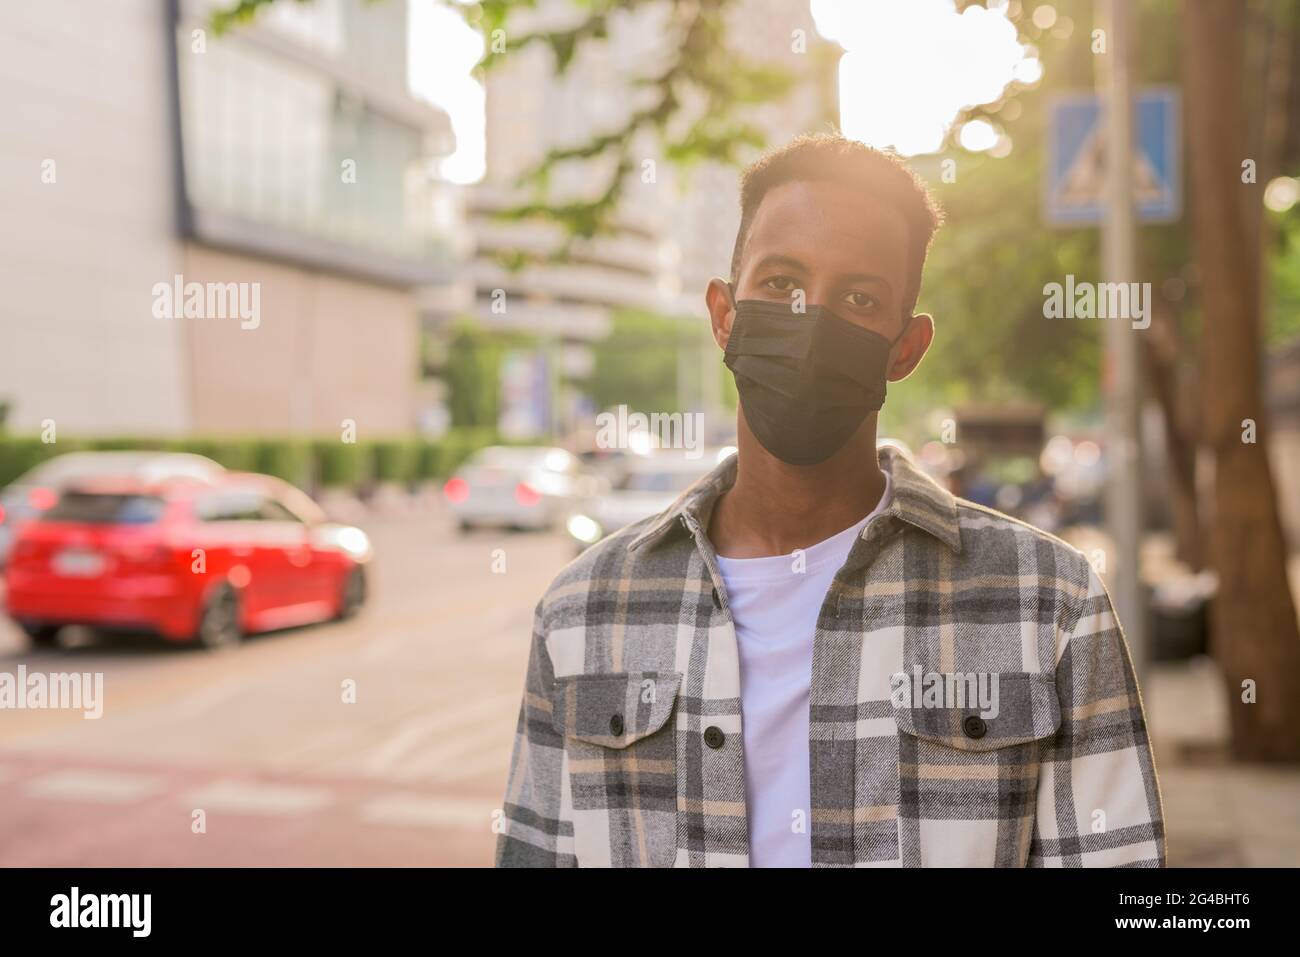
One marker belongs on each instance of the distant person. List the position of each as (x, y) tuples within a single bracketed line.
[(817, 655), (965, 482)]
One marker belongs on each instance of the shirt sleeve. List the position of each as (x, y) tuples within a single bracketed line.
[(534, 831), (1098, 802)]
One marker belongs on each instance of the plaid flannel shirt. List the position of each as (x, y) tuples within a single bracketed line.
[(628, 749)]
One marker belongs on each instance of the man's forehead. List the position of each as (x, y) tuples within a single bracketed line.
[(827, 219)]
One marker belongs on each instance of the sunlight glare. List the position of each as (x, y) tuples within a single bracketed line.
[(909, 69), (978, 135), (442, 50)]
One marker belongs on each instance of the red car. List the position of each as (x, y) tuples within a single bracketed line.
[(191, 561)]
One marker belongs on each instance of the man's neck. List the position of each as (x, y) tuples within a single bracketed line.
[(774, 508)]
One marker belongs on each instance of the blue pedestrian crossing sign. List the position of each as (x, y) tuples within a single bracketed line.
[(1075, 181)]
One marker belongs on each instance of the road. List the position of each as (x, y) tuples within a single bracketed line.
[(260, 740)]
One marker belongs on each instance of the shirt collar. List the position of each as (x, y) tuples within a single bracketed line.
[(915, 498)]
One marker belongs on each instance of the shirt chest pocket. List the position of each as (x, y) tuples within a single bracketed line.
[(968, 766), (620, 748)]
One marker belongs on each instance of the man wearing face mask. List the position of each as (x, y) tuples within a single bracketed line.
[(817, 656)]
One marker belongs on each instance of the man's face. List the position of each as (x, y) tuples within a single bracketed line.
[(845, 250)]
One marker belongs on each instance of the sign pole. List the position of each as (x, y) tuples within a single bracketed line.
[(1121, 384)]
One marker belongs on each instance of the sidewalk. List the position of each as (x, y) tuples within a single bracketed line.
[(1217, 813)]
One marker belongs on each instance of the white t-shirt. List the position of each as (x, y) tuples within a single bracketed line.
[(775, 607)]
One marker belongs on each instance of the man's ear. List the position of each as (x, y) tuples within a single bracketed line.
[(722, 310), (912, 346)]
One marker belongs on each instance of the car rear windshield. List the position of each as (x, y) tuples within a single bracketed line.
[(102, 509), (668, 481), (522, 458)]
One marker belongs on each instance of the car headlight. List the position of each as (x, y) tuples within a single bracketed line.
[(584, 528), (349, 539)]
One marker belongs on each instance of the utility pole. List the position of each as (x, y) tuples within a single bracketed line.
[(1120, 385)]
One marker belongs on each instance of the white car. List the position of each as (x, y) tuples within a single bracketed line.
[(38, 488), (525, 487), (649, 485)]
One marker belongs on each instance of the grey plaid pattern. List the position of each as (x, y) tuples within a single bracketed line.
[(628, 748)]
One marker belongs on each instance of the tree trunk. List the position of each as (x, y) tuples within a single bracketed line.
[(1160, 364), (1255, 633)]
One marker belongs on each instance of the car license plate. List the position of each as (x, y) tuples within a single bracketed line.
[(78, 564)]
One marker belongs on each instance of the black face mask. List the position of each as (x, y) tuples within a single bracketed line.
[(806, 381)]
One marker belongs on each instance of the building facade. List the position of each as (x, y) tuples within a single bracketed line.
[(284, 161)]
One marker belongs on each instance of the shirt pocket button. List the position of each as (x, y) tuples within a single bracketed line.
[(714, 737), (616, 725)]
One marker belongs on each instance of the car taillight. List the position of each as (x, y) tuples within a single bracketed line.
[(42, 498), (456, 490), (526, 495)]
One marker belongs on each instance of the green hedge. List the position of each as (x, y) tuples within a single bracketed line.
[(320, 463), (394, 461), (17, 455), (341, 464), (290, 460)]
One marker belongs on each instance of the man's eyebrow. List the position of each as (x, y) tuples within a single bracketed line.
[(868, 277), (778, 260)]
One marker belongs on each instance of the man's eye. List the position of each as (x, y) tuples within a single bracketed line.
[(862, 300), (781, 284)]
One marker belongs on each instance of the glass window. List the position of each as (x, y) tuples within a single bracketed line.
[(273, 511), (231, 506), (99, 509), (269, 140), (669, 481)]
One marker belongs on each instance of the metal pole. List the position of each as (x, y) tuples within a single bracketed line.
[(1120, 372)]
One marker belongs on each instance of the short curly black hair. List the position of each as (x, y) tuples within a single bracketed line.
[(833, 157)]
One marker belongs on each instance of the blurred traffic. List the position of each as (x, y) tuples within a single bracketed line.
[(641, 484), (176, 546), (518, 487)]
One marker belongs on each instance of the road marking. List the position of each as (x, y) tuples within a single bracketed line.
[(191, 706), (399, 752), (249, 797), (419, 811), (446, 759), (109, 787), (383, 758), (489, 759)]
